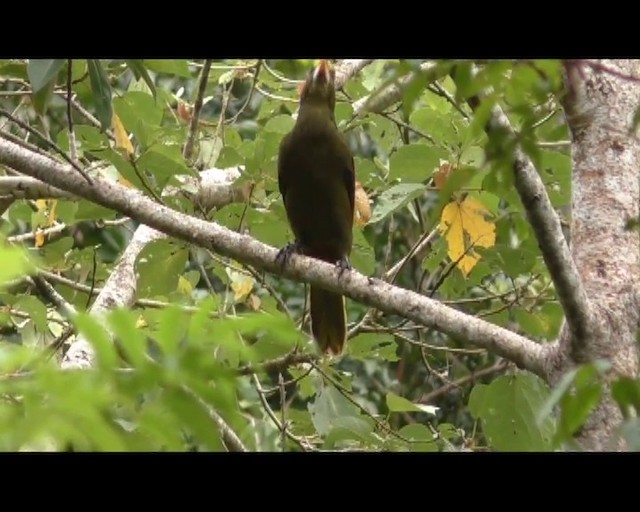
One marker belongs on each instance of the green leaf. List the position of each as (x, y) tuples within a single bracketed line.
[(363, 256), (397, 403), (412, 91), (370, 345), (395, 198), (42, 72), (40, 100), (99, 339), (13, 68), (163, 162), (508, 408), (55, 253), (630, 431), (626, 392), (351, 428), (159, 265), (420, 438), (279, 124), (191, 413), (88, 210), (172, 327), (513, 262), (139, 71), (36, 309), (577, 394), (131, 339), (228, 157), (328, 407), (15, 263), (90, 138), (170, 67), (140, 115), (415, 162), (101, 92)]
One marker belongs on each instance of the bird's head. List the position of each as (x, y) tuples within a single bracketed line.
[(319, 86)]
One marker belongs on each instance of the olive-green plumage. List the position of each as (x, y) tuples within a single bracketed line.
[(317, 182)]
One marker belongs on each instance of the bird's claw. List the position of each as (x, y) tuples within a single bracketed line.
[(285, 253), (343, 264)]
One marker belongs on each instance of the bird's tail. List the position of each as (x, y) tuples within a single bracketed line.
[(328, 320)]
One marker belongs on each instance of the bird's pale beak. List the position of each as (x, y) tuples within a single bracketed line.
[(322, 72)]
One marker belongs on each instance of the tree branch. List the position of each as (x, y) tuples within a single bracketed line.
[(229, 437), (26, 187), (387, 96), (197, 107), (548, 231), (347, 68), (118, 291), (373, 292)]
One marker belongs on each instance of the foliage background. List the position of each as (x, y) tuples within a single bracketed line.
[(205, 358)]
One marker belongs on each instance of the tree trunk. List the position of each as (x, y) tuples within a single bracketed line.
[(600, 104)]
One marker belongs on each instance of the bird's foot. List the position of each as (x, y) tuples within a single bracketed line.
[(343, 264), (285, 253)]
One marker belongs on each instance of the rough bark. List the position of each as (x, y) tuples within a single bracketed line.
[(599, 108)]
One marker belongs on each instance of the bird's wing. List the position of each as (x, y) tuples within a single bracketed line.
[(284, 145), (349, 176)]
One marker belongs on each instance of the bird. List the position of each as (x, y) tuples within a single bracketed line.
[(316, 178)]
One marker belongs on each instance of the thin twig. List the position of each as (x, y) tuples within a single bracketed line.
[(263, 282), (303, 444), (72, 134), (422, 344), (279, 363), (438, 90), (423, 241), (229, 437), (17, 140), (49, 292), (348, 396), (254, 80), (278, 76), (473, 376), (93, 279), (283, 419), (143, 180), (58, 228), (554, 144), (409, 127), (197, 107), (275, 96), (203, 273), (50, 143), (546, 118), (90, 117), (290, 382)]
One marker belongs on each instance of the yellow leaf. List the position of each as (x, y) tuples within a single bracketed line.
[(120, 134), (466, 227), (254, 302), (39, 239), (241, 285), (184, 285), (141, 322), (363, 208), (123, 142), (47, 207), (52, 211)]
